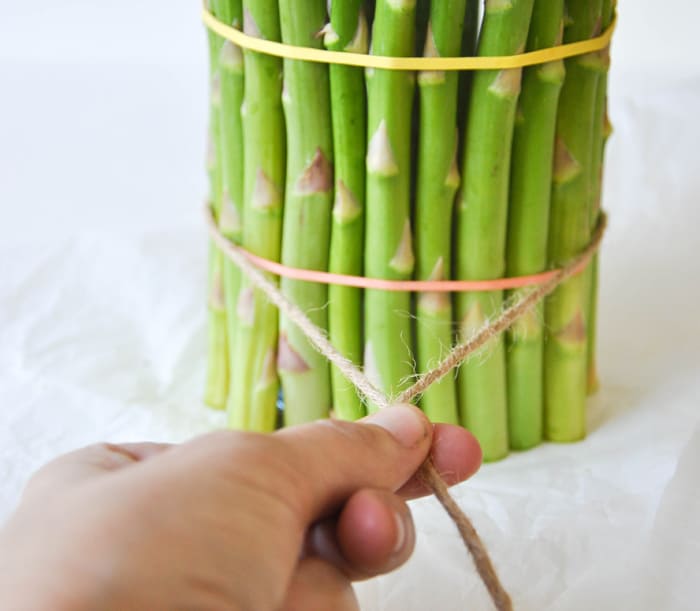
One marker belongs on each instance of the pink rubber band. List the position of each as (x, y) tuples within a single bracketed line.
[(422, 286)]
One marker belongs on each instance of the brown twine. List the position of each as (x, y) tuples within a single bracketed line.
[(429, 474), (508, 316)]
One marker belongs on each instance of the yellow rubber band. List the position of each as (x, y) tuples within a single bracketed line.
[(435, 64)]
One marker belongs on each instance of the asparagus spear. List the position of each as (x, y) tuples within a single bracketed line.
[(347, 31), (422, 20), (600, 133), (217, 377), (388, 244), (231, 135), (438, 180), (531, 181), (307, 216), (255, 385), (565, 361), (481, 219)]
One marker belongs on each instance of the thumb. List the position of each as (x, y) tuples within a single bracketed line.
[(338, 458)]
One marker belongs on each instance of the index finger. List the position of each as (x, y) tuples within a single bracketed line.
[(456, 454)]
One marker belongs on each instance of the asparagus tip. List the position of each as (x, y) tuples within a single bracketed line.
[(403, 259), (566, 166), (360, 41), (472, 321), (345, 207), (507, 83), (453, 178), (598, 61), (431, 77), (231, 56), (229, 218), (552, 72), (289, 359), (330, 36), (249, 25), (245, 308), (268, 372), (529, 325), (215, 89), (380, 156), (317, 176), (216, 293), (433, 301), (438, 271), (266, 195), (574, 332)]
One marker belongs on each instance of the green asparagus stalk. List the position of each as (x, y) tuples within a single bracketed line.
[(482, 220), (217, 377), (528, 222), (347, 31), (305, 374), (438, 181), (421, 29), (231, 134), (592, 381), (600, 134), (389, 244), (565, 361), (255, 384)]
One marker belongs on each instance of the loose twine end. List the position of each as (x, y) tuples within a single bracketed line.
[(429, 474), (505, 319)]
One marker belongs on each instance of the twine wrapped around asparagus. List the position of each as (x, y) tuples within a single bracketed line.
[(337, 192)]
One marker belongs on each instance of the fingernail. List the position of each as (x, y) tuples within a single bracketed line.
[(400, 532), (405, 422)]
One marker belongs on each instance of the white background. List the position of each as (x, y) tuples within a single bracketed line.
[(102, 259)]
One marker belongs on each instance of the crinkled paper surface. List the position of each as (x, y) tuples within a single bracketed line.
[(102, 324)]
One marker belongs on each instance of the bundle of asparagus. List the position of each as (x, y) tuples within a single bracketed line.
[(397, 175)]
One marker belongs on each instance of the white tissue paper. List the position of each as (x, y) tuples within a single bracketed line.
[(102, 330)]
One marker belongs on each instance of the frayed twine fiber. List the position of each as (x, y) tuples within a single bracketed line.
[(457, 355)]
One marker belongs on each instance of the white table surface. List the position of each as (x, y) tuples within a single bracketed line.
[(102, 263)]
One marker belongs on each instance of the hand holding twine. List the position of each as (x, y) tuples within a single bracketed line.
[(508, 316)]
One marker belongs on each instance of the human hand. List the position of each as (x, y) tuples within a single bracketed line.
[(227, 521)]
